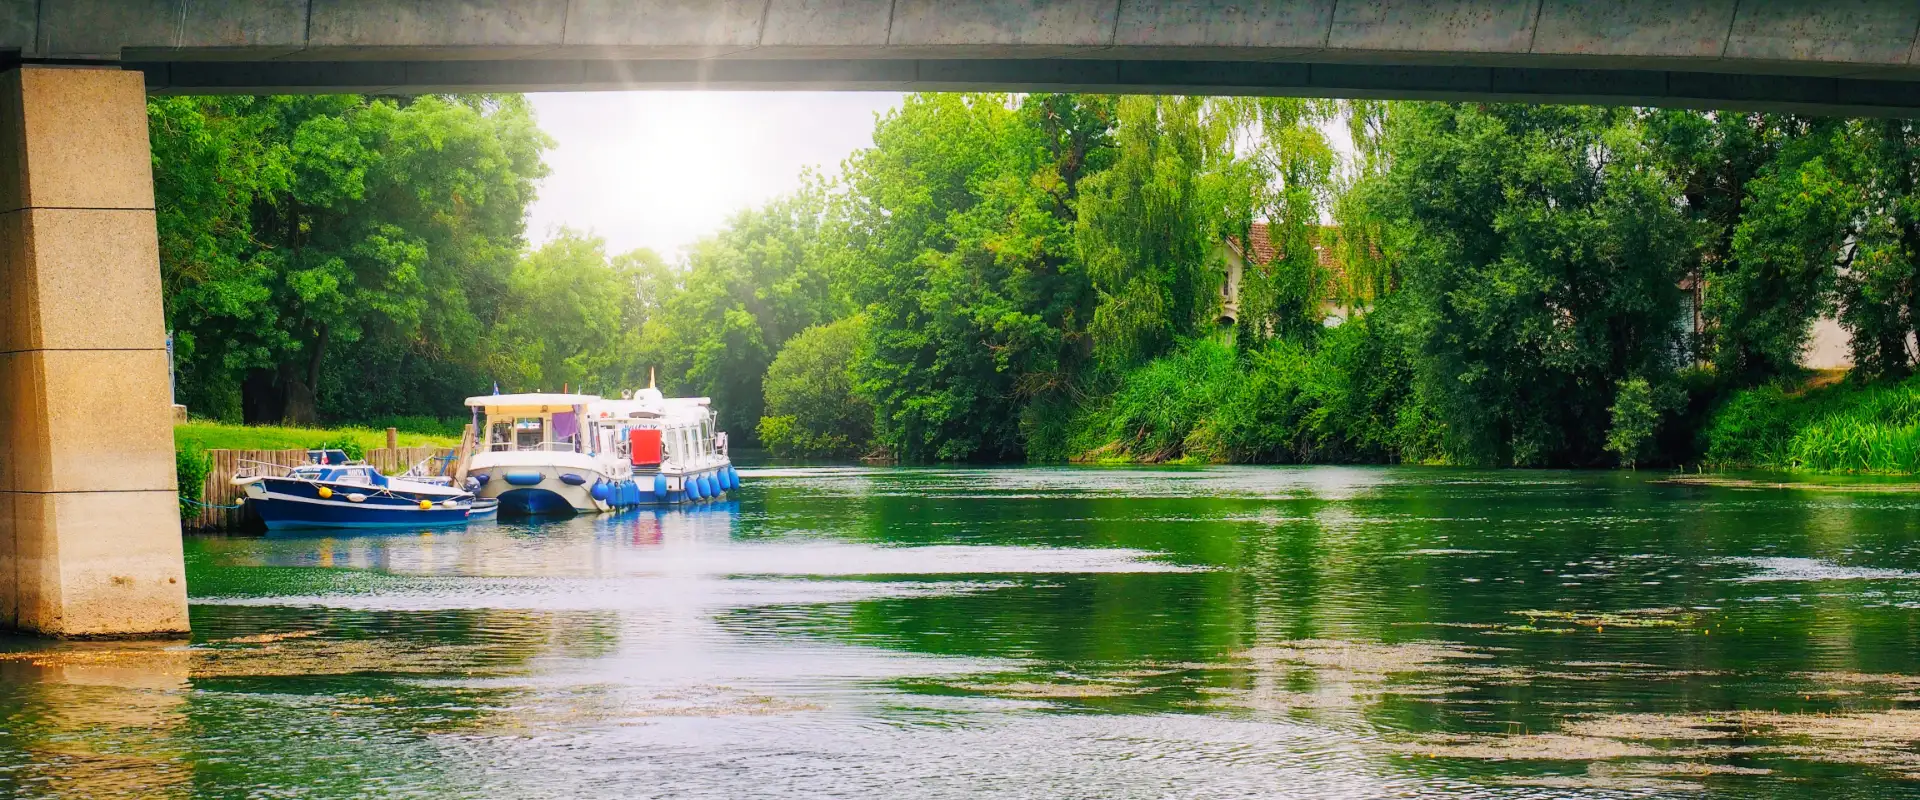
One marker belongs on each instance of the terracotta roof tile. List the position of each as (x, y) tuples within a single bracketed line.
[(1265, 250)]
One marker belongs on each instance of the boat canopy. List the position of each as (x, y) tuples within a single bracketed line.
[(537, 402), (647, 404)]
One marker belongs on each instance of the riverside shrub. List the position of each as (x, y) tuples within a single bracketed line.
[(1847, 427), (1348, 397), (812, 408), (190, 467)]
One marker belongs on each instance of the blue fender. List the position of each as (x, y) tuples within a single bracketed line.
[(660, 487), (733, 477), (524, 478), (693, 487)]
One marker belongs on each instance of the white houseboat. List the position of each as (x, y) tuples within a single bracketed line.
[(579, 453), (670, 442)]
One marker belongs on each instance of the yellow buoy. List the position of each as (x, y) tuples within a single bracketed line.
[(426, 505), (325, 492)]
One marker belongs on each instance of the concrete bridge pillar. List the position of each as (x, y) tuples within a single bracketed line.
[(89, 526)]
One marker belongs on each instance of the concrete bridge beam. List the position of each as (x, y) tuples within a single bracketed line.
[(89, 525)]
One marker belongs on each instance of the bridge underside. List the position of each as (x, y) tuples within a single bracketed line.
[(1815, 56), (1852, 96)]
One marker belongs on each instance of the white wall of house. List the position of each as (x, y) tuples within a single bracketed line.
[(1829, 347)]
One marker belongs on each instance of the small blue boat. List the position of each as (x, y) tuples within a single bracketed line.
[(330, 493)]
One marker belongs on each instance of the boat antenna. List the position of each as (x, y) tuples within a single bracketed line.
[(650, 383)]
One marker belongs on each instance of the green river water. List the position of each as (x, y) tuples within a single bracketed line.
[(1223, 632)]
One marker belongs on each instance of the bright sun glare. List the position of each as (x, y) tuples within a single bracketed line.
[(662, 169)]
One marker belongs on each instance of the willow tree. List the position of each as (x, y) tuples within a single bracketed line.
[(1150, 228), (1287, 180)]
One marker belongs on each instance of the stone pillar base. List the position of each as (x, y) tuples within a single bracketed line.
[(89, 515)]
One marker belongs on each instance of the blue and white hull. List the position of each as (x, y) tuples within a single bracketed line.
[(284, 502), (544, 490), (699, 486)]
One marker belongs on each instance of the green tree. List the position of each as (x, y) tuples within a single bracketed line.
[(1793, 227), (1635, 416), (1149, 228), (299, 226), (962, 217), (766, 276), (1542, 251), (1290, 182), (565, 319), (812, 408), (1879, 290), (1712, 159)]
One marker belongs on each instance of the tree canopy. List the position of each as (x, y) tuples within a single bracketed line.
[(1042, 276)]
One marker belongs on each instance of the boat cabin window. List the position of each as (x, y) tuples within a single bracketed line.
[(355, 475), (529, 433), (618, 443), (676, 449)]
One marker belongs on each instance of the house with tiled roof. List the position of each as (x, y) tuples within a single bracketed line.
[(1264, 250)]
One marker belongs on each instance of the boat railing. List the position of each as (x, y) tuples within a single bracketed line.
[(249, 468), (429, 467), (510, 447)]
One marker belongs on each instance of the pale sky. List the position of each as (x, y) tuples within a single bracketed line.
[(662, 169)]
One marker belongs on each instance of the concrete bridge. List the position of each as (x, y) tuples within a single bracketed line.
[(89, 544), (1828, 56)]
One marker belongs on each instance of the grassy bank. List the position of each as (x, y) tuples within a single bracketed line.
[(221, 436), (1343, 400), (1843, 427)]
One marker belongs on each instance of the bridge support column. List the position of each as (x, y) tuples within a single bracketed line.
[(89, 526)]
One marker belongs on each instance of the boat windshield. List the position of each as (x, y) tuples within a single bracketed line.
[(529, 433), (354, 475)]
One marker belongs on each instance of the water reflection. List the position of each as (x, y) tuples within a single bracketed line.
[(1030, 632)]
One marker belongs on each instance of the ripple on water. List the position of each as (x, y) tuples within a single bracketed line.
[(1237, 632), (1781, 568)]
